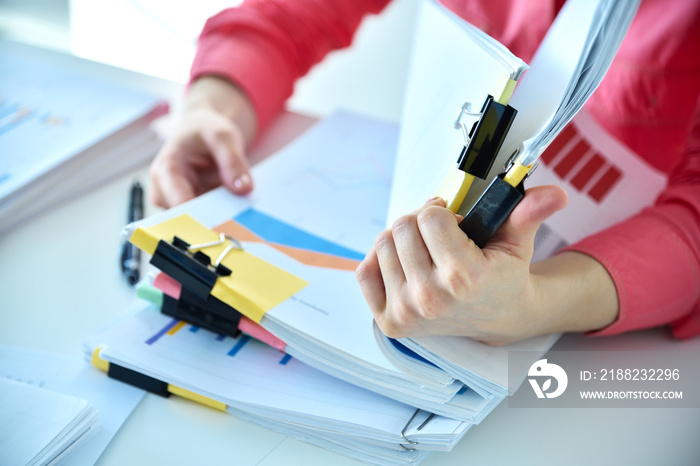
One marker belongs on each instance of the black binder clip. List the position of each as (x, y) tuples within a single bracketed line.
[(209, 313), (197, 276), (484, 140), (192, 268), (493, 207)]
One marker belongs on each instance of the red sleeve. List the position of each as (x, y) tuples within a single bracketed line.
[(265, 45), (654, 257)]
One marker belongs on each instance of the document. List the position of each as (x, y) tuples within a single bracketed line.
[(69, 378), (267, 386), (65, 127), (38, 426)]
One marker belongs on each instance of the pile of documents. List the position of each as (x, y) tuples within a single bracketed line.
[(255, 381), (283, 268), (66, 126), (44, 415), (39, 426)]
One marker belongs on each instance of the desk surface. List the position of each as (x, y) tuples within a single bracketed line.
[(74, 250)]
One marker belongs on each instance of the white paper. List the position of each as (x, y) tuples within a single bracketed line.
[(442, 77), (37, 425), (72, 376)]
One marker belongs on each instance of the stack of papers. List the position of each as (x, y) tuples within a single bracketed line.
[(65, 128), (38, 426), (267, 386), (58, 378)]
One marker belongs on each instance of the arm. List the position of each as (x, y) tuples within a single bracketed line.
[(266, 45), (247, 61), (654, 257)]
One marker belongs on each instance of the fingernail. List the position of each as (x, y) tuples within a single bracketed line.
[(243, 182)]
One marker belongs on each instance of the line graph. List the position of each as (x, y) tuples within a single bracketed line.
[(253, 225)]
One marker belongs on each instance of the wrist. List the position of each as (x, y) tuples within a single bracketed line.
[(575, 293), (226, 98)]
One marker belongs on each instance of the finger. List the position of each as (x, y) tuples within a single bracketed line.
[(226, 145), (389, 265), (518, 231), (411, 250), (154, 195), (369, 276), (169, 180), (435, 200), (446, 243)]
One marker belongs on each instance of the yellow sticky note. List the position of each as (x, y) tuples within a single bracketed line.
[(254, 287)]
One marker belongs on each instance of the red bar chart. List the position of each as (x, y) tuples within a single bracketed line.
[(573, 159)]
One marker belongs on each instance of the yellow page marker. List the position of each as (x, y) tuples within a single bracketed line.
[(507, 92), (196, 397), (516, 174), (454, 187), (98, 362), (103, 365), (254, 286)]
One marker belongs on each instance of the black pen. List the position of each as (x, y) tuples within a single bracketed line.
[(131, 255)]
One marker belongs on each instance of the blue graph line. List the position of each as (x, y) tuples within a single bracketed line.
[(285, 359), (6, 127), (240, 344), (162, 332), (275, 231), (8, 110)]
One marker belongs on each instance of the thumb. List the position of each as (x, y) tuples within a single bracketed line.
[(518, 231)]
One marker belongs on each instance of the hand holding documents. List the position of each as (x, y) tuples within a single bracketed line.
[(284, 257)]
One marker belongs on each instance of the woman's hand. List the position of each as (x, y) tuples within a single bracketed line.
[(425, 277), (208, 147)]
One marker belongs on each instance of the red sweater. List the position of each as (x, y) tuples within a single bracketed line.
[(647, 100)]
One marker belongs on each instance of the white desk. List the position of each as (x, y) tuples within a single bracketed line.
[(73, 252)]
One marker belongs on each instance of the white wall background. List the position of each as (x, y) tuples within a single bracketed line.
[(157, 37)]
